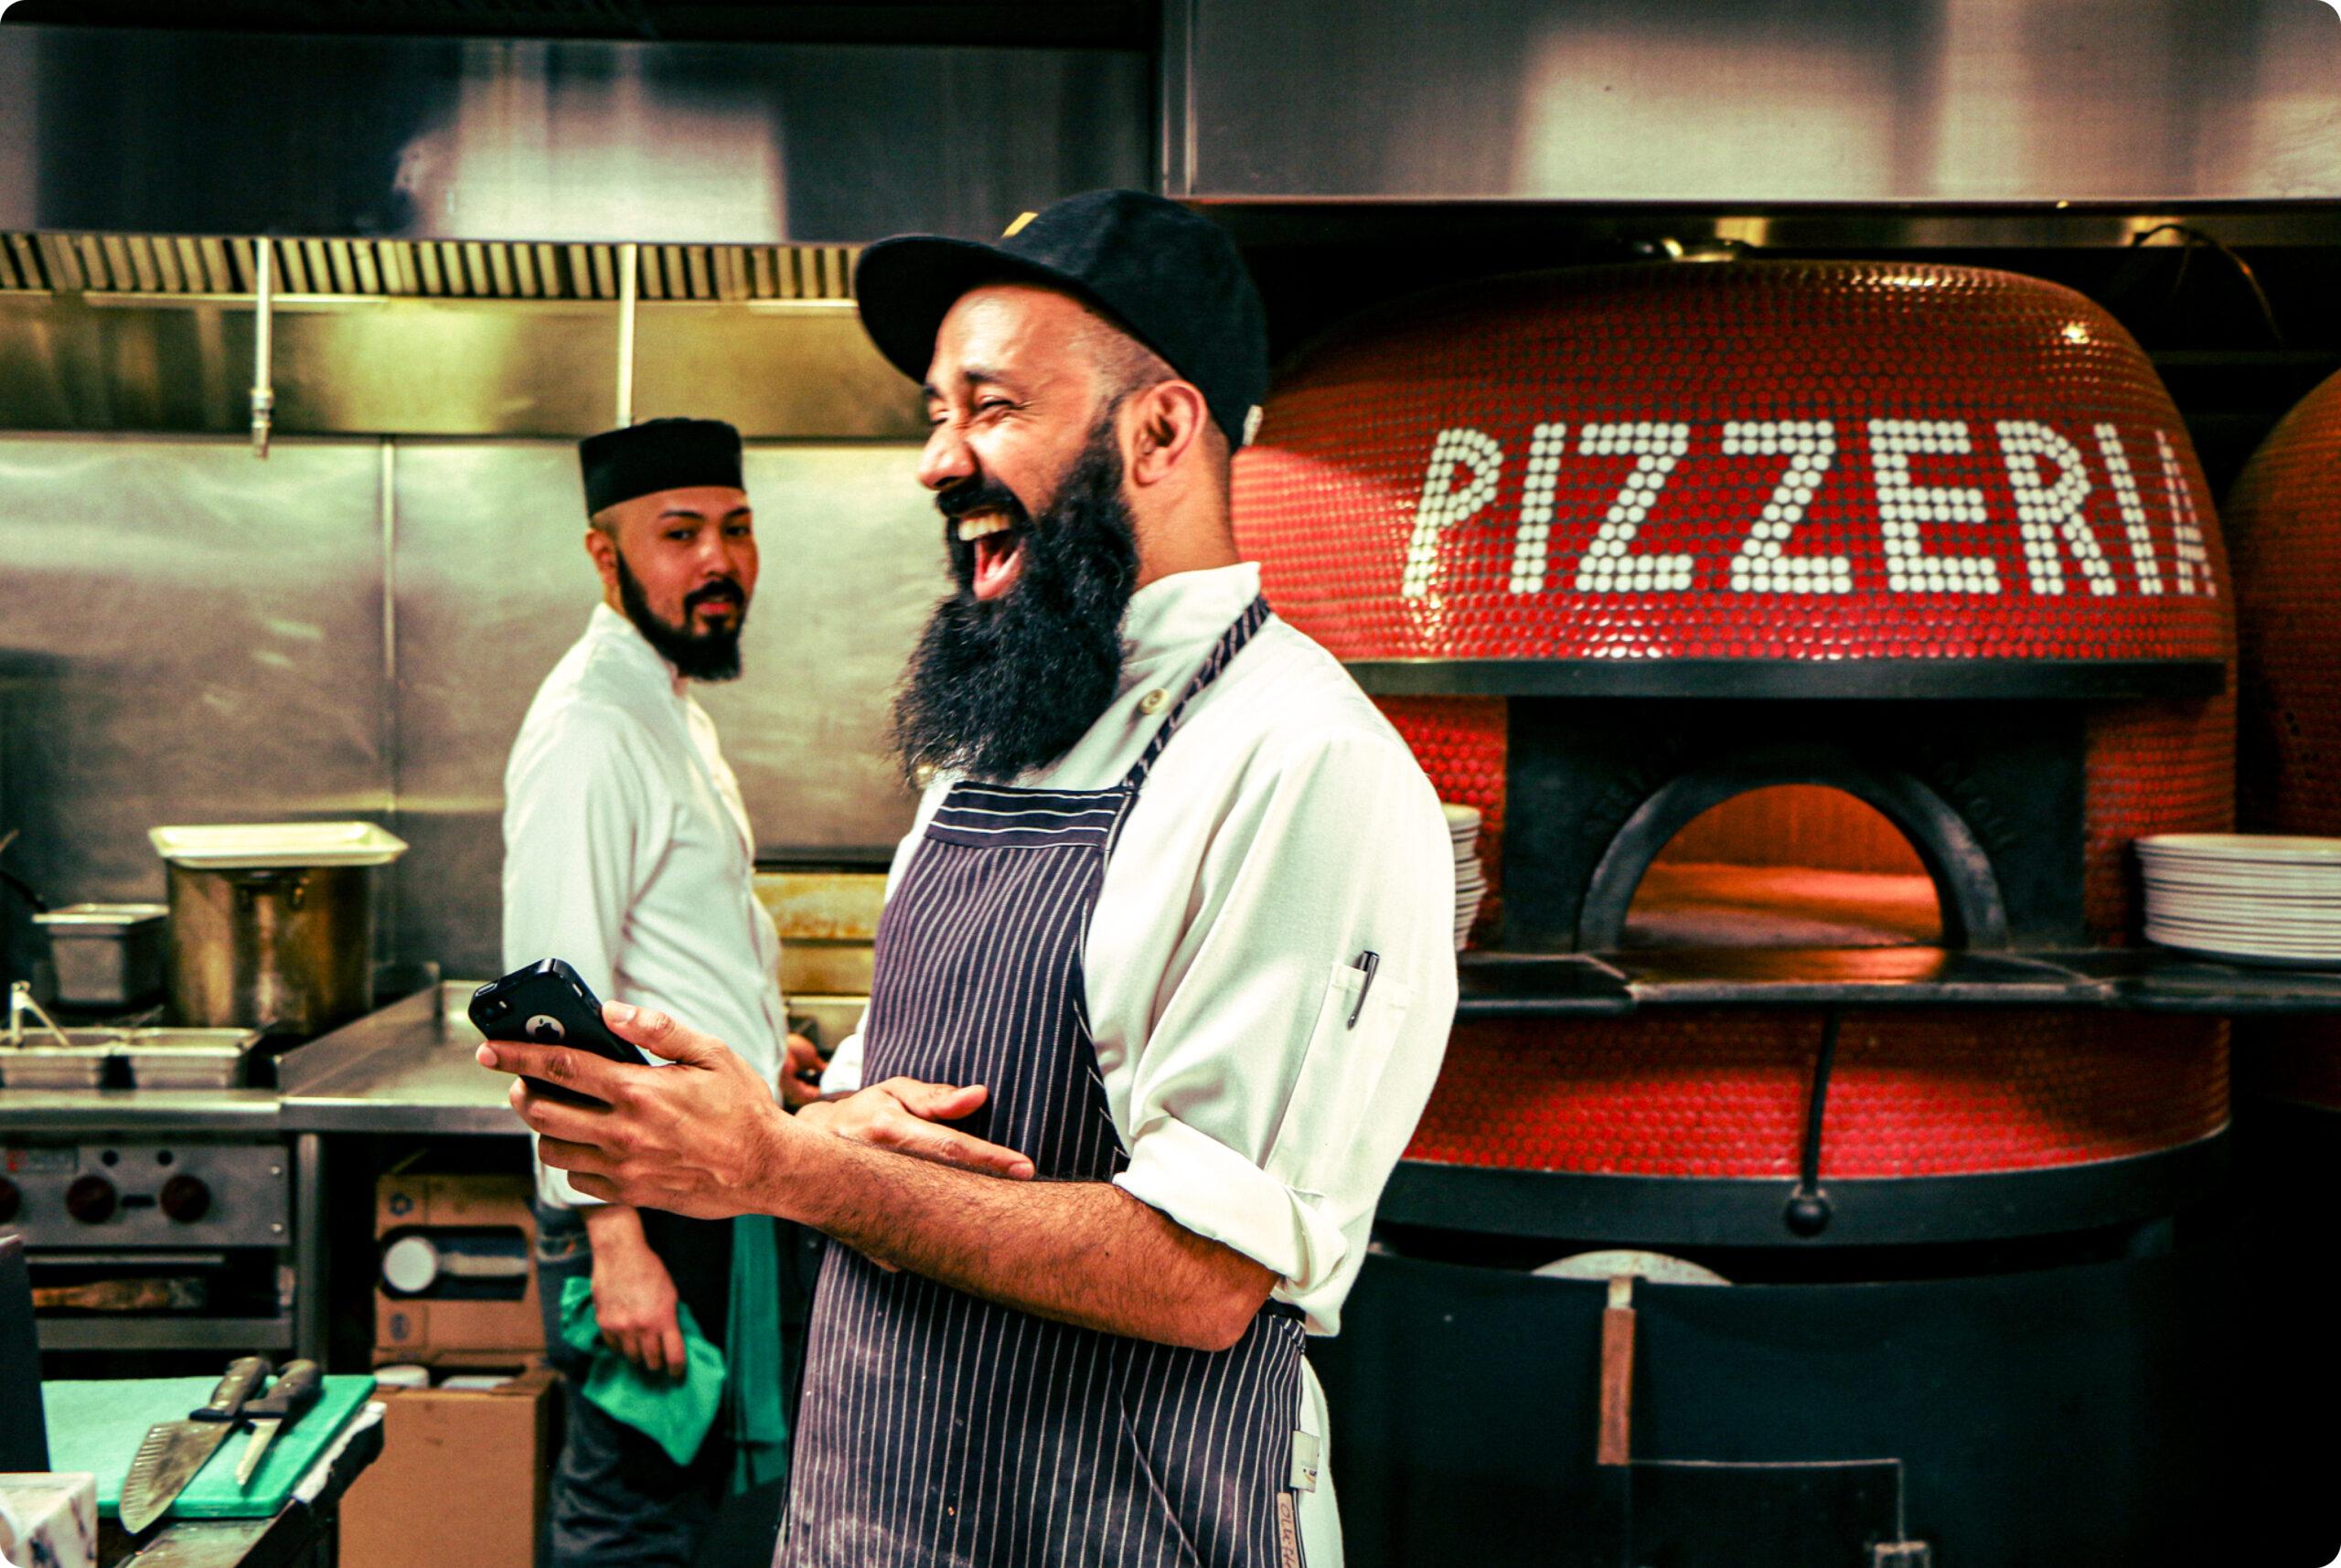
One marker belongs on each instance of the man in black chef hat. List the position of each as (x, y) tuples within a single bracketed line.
[(628, 854), (1171, 932)]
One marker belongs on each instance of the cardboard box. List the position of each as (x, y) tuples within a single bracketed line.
[(462, 1478), (452, 1332)]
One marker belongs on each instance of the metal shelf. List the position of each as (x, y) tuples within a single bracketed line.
[(1497, 985), (1880, 679), (123, 1332)]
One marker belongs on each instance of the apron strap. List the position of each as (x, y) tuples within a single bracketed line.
[(1231, 642)]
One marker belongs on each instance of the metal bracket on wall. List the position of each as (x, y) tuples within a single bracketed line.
[(264, 334), (627, 262)]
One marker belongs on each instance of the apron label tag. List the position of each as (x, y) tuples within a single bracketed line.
[(1306, 1450), (1288, 1533)]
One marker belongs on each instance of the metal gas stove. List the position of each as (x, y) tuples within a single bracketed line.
[(153, 1241)]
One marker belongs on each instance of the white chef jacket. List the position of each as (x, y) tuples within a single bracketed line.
[(627, 852), (1285, 829)]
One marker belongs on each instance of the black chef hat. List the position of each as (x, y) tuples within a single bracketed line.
[(658, 455), (1169, 278)]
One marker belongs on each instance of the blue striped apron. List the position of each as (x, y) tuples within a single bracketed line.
[(937, 1428)]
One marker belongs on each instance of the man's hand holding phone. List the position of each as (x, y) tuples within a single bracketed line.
[(698, 1141), (549, 1004)]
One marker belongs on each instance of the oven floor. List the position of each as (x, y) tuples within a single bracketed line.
[(1694, 905)]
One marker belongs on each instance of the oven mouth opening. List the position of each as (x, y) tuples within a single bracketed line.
[(1795, 847), (1786, 865)]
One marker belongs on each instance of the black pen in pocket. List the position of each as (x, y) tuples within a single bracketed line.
[(1369, 961)]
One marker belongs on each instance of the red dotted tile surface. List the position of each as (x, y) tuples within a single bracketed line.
[(1460, 742), (1773, 460), (1752, 460), (2152, 767), (1722, 1095), (1789, 462), (2286, 508)]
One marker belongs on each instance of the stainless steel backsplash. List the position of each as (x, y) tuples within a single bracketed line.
[(354, 628)]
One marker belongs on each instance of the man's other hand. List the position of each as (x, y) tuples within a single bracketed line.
[(634, 1296), (800, 1073), (902, 1114)]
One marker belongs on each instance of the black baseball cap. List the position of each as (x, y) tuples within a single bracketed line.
[(658, 455), (1168, 277)]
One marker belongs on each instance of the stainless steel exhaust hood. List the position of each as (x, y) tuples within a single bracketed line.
[(132, 332), (139, 131), (1755, 105), (467, 195)]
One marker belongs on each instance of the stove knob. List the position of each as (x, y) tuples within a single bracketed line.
[(186, 1198), (11, 1201), (91, 1200)]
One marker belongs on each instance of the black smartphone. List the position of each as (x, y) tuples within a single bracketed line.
[(547, 1004)]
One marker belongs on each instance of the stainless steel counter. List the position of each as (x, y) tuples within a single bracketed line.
[(139, 1110), (406, 1068)]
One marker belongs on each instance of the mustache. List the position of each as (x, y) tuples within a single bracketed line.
[(721, 590), (981, 495)]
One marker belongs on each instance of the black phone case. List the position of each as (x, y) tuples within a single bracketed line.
[(547, 1004)]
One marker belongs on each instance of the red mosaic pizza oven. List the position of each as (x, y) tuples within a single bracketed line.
[(1616, 547), (2288, 580)]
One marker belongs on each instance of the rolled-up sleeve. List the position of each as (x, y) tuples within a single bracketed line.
[(1278, 1087), (578, 809)]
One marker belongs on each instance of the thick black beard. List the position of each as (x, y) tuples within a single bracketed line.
[(996, 688), (711, 654)]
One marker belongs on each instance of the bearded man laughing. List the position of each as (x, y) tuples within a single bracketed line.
[(1163, 979)]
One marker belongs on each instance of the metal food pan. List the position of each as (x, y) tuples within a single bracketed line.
[(40, 1062), (189, 1058), (106, 955)]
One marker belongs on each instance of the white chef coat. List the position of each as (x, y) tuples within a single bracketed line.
[(627, 852), (1285, 829)]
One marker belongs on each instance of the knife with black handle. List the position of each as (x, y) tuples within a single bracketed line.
[(173, 1451), (293, 1392)]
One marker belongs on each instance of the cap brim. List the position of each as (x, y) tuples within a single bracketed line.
[(905, 286)]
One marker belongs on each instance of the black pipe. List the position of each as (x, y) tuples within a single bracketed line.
[(15, 885), (1807, 1214)]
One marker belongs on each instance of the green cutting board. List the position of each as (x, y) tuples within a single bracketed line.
[(97, 1423)]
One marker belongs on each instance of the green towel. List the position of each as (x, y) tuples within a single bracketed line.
[(758, 1420), (674, 1412), (677, 1413)]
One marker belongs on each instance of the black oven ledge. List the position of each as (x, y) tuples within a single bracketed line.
[(1500, 984)]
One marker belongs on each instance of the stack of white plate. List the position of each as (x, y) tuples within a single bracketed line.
[(1471, 882), (2247, 898)]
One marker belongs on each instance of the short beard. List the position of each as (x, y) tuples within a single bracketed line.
[(712, 655), (996, 688)]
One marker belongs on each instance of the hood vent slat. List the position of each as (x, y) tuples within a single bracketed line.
[(166, 265)]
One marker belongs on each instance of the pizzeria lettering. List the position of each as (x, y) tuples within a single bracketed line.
[(2081, 507)]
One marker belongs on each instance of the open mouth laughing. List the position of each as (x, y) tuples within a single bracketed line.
[(998, 548)]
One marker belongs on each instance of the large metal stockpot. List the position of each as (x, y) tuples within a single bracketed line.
[(273, 924)]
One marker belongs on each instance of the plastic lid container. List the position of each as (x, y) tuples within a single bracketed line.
[(256, 846)]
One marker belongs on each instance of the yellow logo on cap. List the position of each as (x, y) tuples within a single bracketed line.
[(1013, 229)]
